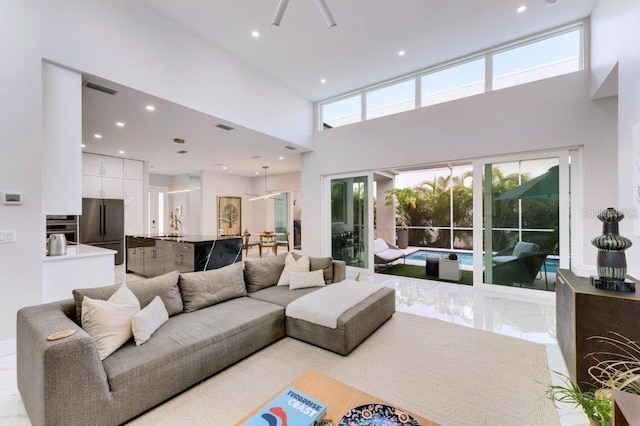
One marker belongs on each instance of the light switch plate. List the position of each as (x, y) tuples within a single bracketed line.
[(8, 236)]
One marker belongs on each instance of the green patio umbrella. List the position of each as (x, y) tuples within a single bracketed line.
[(543, 186)]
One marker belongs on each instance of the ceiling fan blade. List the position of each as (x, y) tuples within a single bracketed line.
[(282, 6), (326, 14)]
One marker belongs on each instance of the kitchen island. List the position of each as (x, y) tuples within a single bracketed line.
[(83, 266), (153, 255)]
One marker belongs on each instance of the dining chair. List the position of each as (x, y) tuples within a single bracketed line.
[(283, 243), (268, 240), (248, 244)]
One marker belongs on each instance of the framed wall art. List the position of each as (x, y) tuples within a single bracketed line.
[(230, 215)]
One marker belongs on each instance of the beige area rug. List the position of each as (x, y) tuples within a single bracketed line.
[(450, 374)]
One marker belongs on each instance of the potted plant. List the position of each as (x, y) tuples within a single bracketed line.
[(596, 404)]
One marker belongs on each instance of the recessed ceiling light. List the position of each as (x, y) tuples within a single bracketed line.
[(97, 136), (255, 34), (401, 53), (224, 167), (521, 9), (83, 146), (257, 173), (281, 158), (120, 124), (150, 108), (323, 80), (121, 152)]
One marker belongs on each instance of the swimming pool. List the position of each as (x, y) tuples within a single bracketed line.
[(466, 258)]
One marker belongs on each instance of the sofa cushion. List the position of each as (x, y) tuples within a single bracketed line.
[(264, 272), (306, 279), (379, 245), (148, 320), (324, 263), (206, 288), (291, 264), (108, 322), (165, 286), (281, 295), (192, 346)]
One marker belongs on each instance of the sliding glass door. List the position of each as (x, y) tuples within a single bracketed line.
[(523, 221), (350, 219)]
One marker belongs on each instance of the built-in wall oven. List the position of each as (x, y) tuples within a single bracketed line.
[(63, 224)]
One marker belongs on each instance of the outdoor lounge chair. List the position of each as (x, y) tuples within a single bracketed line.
[(517, 264), (384, 254)]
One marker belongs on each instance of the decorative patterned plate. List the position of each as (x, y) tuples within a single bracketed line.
[(377, 415)]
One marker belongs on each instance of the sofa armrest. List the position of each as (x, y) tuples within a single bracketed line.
[(56, 377), (339, 271)]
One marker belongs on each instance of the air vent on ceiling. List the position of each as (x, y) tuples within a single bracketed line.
[(254, 157), (224, 127), (178, 140), (182, 151), (99, 88), (292, 148)]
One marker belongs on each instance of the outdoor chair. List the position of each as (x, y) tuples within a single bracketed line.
[(520, 264), (384, 254)]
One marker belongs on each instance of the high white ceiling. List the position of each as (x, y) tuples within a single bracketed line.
[(363, 48), (148, 136)]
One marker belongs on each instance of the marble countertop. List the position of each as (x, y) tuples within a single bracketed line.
[(77, 251), (186, 238)]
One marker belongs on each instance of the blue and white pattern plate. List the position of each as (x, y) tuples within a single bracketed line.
[(377, 415)]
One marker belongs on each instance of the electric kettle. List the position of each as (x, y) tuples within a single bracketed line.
[(57, 244)]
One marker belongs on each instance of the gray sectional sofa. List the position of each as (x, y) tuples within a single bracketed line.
[(235, 314)]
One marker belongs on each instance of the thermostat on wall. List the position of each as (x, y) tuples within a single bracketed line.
[(11, 197)]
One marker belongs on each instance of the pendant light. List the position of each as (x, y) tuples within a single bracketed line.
[(266, 194)]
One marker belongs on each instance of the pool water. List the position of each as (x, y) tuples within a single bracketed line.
[(466, 258)]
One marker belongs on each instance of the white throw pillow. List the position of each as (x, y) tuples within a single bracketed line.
[(148, 320), (293, 265), (306, 279), (379, 245), (108, 322)]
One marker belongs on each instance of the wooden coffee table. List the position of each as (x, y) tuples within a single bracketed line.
[(339, 397)]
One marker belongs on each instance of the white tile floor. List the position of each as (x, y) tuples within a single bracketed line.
[(524, 318)]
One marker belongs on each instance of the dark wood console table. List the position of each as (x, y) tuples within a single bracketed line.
[(583, 311)]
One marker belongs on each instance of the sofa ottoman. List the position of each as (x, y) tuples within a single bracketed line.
[(352, 327)]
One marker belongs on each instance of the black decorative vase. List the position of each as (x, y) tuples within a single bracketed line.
[(611, 262)]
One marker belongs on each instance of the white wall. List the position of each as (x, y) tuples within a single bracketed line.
[(220, 184), (547, 114), (129, 43), (614, 38)]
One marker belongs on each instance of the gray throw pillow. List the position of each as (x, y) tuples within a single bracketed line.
[(165, 286), (206, 288), (264, 272), (324, 263)]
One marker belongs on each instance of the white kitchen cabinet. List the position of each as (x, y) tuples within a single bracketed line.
[(62, 136), (133, 169), (112, 188), (102, 176), (133, 207), (91, 164), (91, 187), (112, 167)]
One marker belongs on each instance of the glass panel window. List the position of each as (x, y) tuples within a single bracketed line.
[(538, 60), (459, 81), (342, 112), (391, 99)]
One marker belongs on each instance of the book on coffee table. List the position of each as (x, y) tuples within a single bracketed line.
[(291, 407)]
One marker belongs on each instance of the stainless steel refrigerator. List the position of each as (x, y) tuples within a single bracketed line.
[(102, 225)]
